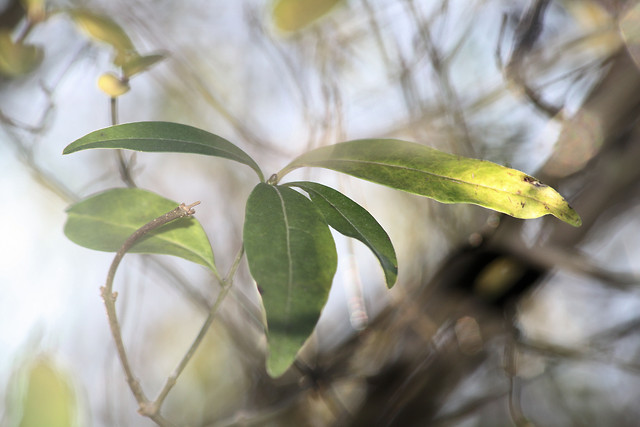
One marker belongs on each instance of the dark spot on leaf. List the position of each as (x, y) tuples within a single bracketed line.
[(531, 180), (522, 204)]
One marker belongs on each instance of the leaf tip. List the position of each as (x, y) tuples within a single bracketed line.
[(573, 218)]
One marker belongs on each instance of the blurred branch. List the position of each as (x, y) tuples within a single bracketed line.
[(276, 51), (615, 333), (226, 284), (527, 34), (448, 95), (582, 354), (43, 177), (184, 72)]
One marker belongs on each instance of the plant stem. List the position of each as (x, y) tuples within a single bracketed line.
[(124, 166), (226, 283), (146, 408)]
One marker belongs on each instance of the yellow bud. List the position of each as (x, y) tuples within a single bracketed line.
[(112, 85)]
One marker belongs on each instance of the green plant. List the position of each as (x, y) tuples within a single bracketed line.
[(289, 248)]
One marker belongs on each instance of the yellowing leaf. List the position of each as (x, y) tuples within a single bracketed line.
[(137, 64), (104, 29), (17, 59), (292, 15), (441, 176)]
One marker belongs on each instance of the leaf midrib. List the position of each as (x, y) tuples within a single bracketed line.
[(455, 180), (148, 138), (289, 259), (371, 245)]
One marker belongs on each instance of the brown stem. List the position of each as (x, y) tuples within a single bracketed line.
[(147, 408)]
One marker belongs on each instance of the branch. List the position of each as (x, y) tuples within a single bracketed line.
[(146, 407), (527, 33), (124, 166), (171, 380)]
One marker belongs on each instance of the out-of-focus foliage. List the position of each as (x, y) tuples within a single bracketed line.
[(17, 59), (630, 30), (138, 64), (41, 394), (35, 9), (104, 29), (293, 15)]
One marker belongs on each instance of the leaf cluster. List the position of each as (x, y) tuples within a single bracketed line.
[(289, 247)]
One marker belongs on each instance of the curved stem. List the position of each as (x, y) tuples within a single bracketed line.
[(109, 297)]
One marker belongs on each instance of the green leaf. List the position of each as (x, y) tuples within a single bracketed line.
[(292, 257), (138, 64), (17, 59), (293, 15), (352, 220), (49, 398), (163, 137), (441, 176), (104, 221), (104, 29)]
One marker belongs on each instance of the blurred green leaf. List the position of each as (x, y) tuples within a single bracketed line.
[(292, 15), (137, 64), (104, 221), (17, 59), (441, 176), (292, 257), (163, 137), (104, 29), (352, 220), (49, 399)]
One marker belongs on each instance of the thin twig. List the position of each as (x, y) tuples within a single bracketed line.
[(448, 94), (171, 379), (527, 33), (515, 387), (124, 166), (109, 297)]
